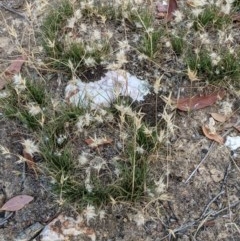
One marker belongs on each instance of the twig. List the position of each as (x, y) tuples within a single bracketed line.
[(23, 174), (200, 221), (183, 228), (226, 175), (209, 204), (230, 206), (205, 157), (200, 225), (4, 220)]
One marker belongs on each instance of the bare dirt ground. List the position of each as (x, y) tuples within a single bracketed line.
[(204, 207), (14, 178)]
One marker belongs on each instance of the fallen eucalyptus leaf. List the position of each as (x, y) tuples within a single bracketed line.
[(15, 66), (166, 10), (212, 136), (199, 102), (13, 69), (219, 117), (16, 203)]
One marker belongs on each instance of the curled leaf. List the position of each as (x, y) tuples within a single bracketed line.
[(219, 117), (199, 102), (16, 203), (212, 136)]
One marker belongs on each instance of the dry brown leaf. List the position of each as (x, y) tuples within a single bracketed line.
[(89, 141), (166, 11), (172, 6), (13, 69), (212, 136), (219, 117), (15, 66), (30, 161), (94, 143), (16, 203), (198, 102)]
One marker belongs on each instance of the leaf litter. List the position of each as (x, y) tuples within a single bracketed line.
[(198, 101), (14, 68), (219, 117), (212, 135), (29, 148), (16, 203), (166, 10)]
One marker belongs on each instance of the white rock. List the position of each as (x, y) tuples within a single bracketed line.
[(233, 142), (64, 228), (105, 90)]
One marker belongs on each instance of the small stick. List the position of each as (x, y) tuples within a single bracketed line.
[(4, 220), (205, 157), (184, 227), (226, 208), (224, 183), (209, 204)]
